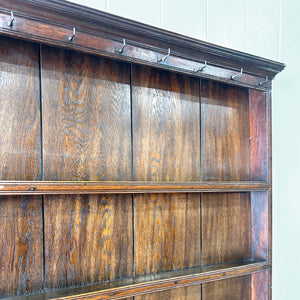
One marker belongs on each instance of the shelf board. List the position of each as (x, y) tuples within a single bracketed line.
[(154, 283), (123, 187)]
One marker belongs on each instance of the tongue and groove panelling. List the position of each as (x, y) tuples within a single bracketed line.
[(86, 136), (21, 230)]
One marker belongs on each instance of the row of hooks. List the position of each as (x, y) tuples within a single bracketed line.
[(160, 59)]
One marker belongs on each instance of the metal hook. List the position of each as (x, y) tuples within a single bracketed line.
[(200, 69), (10, 23), (265, 81), (163, 59), (71, 38), (236, 75), (124, 44)]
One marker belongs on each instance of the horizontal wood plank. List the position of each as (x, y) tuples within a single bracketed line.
[(154, 283), (123, 187)]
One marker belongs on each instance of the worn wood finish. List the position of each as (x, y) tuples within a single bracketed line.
[(88, 239), (20, 134), (167, 232), (260, 285), (21, 246), (86, 117), (164, 104), (229, 289), (226, 224), (259, 128), (186, 293), (96, 23), (225, 150), (260, 225), (21, 232), (123, 187), (150, 284)]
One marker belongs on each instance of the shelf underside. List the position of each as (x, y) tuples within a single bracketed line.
[(123, 187), (154, 283)]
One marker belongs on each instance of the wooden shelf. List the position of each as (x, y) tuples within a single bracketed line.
[(155, 283), (123, 187)]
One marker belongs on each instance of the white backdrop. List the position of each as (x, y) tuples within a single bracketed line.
[(268, 28)]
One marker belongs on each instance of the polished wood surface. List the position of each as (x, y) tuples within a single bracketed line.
[(151, 284), (225, 151), (123, 187), (88, 239), (163, 104), (132, 177), (21, 231), (229, 289), (86, 117), (258, 135), (226, 227), (21, 245), (20, 134)]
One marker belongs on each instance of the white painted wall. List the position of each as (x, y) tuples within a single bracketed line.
[(268, 28)]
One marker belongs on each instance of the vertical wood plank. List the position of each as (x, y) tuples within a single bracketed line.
[(166, 146), (228, 289), (260, 285), (260, 225), (167, 232), (87, 136), (21, 232), (225, 149), (258, 135), (86, 117), (20, 134), (166, 129), (88, 239), (186, 293), (21, 247), (226, 227)]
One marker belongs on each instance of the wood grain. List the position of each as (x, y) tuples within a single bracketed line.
[(167, 232), (260, 285), (226, 227), (225, 149), (166, 129), (260, 225), (88, 239), (21, 246), (229, 289), (20, 134), (258, 135), (21, 232), (186, 293), (86, 117)]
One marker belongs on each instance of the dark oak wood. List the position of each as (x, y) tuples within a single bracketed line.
[(64, 15), (21, 232), (21, 246), (226, 227), (260, 285), (260, 225), (123, 187), (166, 281), (229, 289), (20, 134), (86, 117), (225, 151), (167, 232), (259, 128), (88, 239)]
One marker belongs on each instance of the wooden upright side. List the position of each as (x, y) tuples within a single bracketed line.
[(21, 231), (166, 146), (87, 136)]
